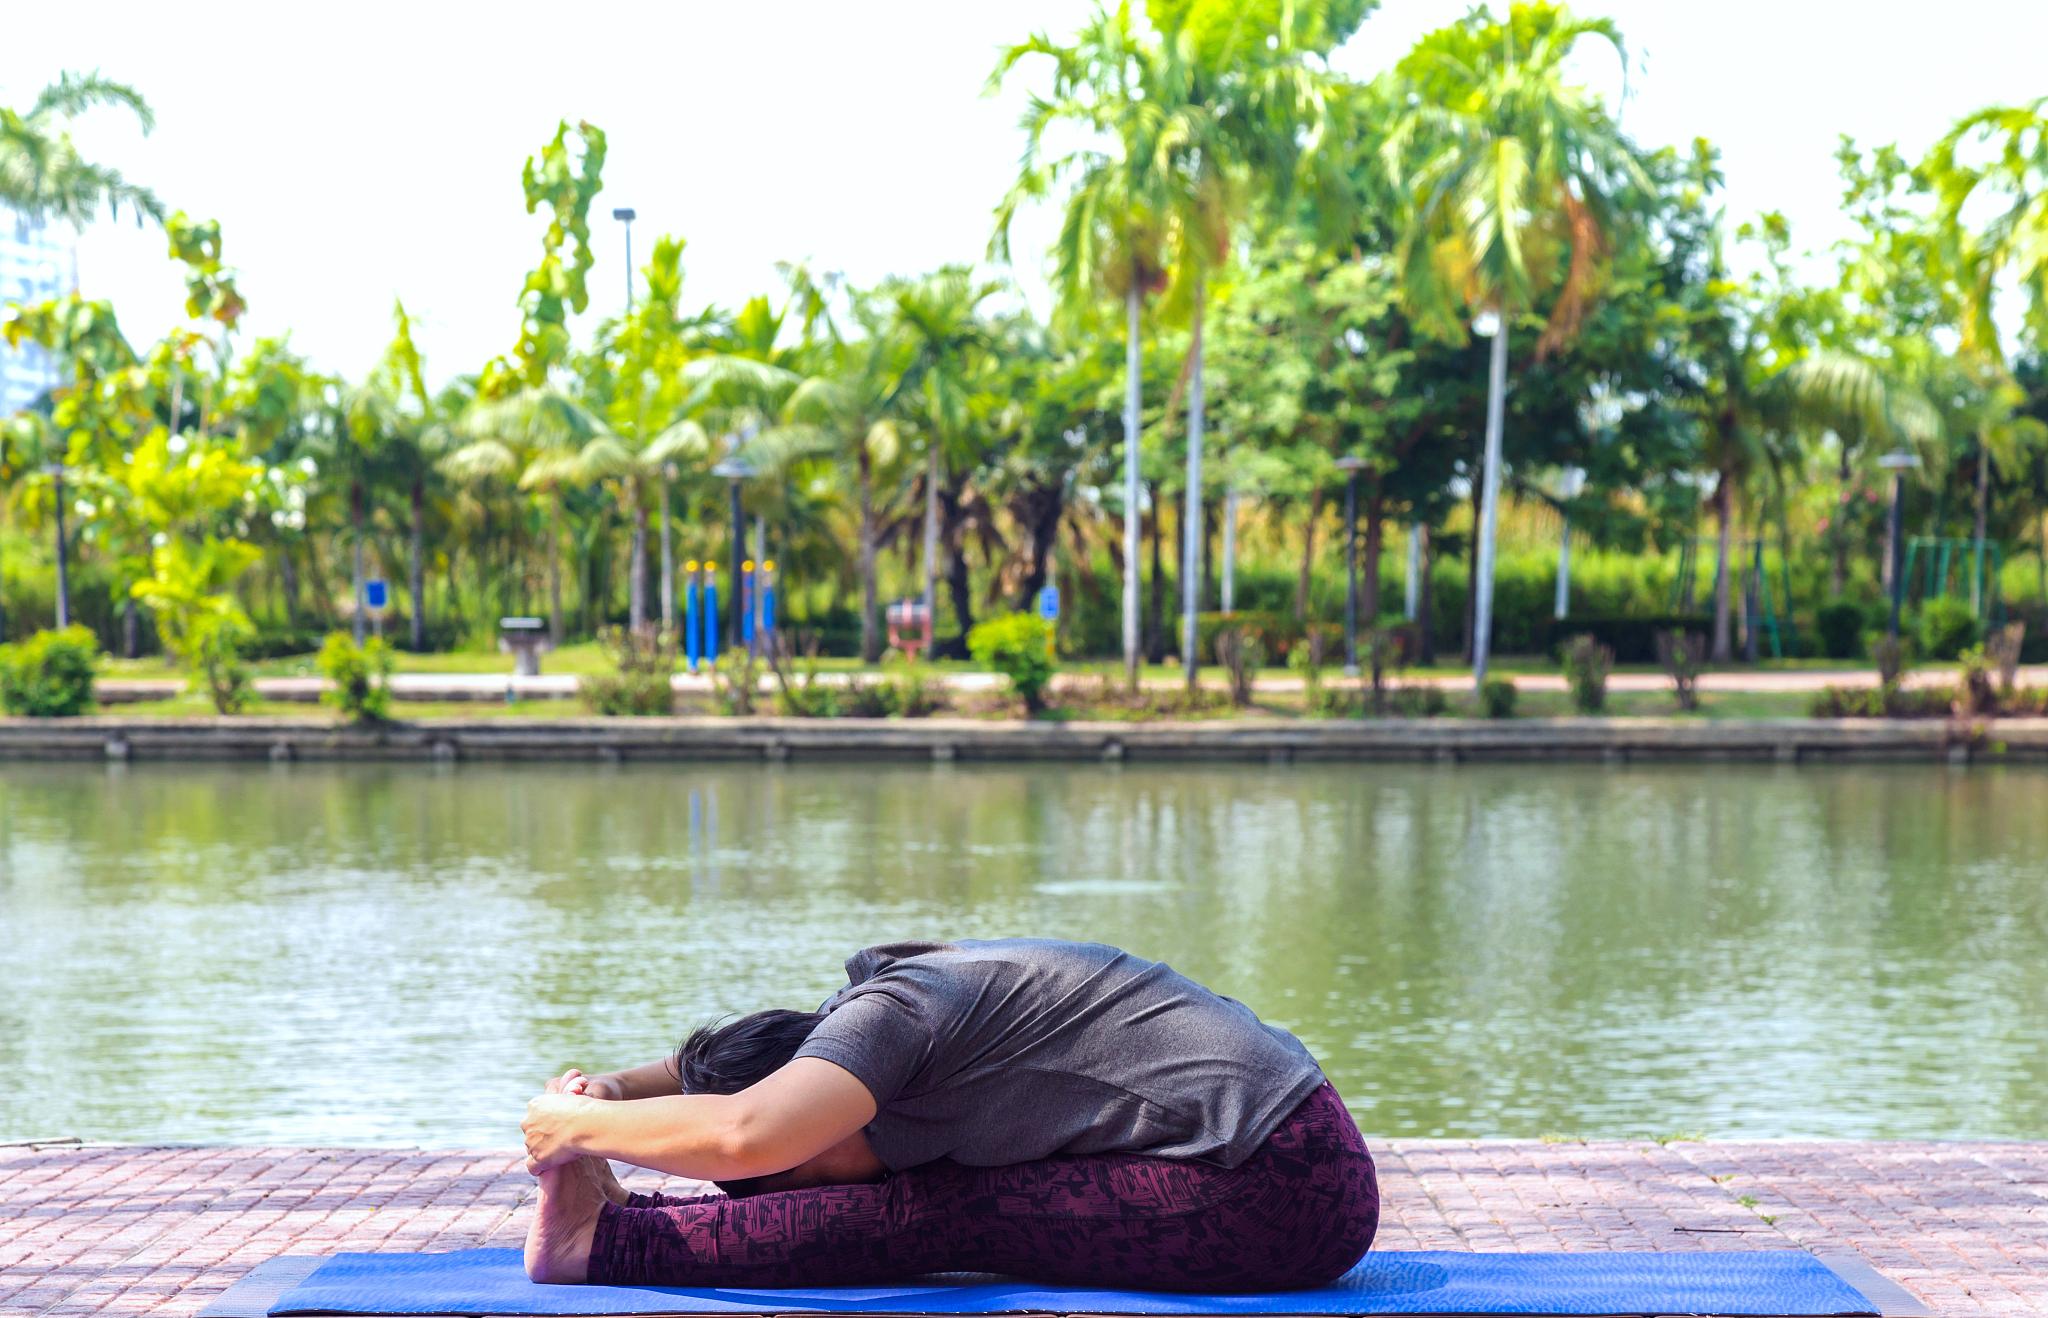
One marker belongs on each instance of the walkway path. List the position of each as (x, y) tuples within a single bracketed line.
[(115, 1229), (495, 686)]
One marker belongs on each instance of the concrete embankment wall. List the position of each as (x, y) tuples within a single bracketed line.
[(595, 740)]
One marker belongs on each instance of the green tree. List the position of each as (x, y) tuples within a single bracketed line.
[(44, 176), (1515, 171)]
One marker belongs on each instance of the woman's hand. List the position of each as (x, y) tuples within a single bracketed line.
[(551, 1127), (573, 1081)]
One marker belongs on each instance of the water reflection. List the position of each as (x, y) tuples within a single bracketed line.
[(370, 953)]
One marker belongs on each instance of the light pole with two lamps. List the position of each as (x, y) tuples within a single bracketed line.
[(1488, 324)]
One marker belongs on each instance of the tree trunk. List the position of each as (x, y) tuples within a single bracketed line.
[(870, 635), (1133, 397), (1155, 622), (1191, 507), (1425, 606), (931, 537), (636, 567), (555, 568), (668, 561), (131, 629), (1375, 533), (1838, 571), (1038, 508), (1724, 646), (1303, 582), (1471, 576), (1983, 516), (63, 554), (357, 620), (288, 575), (416, 565)]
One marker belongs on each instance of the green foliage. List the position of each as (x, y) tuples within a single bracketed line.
[(735, 682), (201, 623), (1840, 625), (1945, 627), (1883, 701), (1020, 647), (1586, 665), (359, 677), (1418, 700), (1497, 698), (640, 683), (1681, 654), (49, 675), (1977, 690)]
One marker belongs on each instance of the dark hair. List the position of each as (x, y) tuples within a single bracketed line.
[(727, 1056)]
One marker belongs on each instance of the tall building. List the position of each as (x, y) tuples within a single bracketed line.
[(35, 263)]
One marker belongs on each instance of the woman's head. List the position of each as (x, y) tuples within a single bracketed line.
[(728, 1057)]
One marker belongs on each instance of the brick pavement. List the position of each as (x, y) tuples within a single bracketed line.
[(119, 1229)]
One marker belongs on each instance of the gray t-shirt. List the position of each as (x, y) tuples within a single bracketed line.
[(998, 1052)]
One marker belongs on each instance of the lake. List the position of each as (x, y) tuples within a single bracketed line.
[(315, 954)]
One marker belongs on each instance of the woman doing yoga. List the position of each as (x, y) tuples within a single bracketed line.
[(1066, 1112)]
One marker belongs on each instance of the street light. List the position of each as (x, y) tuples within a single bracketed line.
[(1350, 466), (1487, 325), (734, 471), (1898, 462), (626, 215)]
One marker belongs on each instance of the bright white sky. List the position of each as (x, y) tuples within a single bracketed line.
[(369, 151)]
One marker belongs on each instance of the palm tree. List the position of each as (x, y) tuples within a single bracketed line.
[(542, 434), (846, 406), (1112, 237), (43, 177), (1512, 168), (939, 321)]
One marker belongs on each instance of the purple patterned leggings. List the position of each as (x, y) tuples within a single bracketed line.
[(1299, 1212)]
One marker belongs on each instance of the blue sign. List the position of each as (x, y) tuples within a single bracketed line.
[(1049, 603), (377, 594)]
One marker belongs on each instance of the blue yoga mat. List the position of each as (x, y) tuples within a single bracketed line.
[(493, 1281)]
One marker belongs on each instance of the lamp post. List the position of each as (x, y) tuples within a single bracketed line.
[(1350, 466), (1487, 325), (1898, 462), (626, 215), (734, 471)]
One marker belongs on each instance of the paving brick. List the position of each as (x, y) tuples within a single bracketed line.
[(109, 1230)]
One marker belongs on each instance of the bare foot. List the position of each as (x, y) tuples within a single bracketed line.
[(565, 1222)]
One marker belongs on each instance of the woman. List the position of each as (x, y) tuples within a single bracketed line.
[(1066, 1112)]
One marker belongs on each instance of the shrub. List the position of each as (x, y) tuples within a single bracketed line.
[(1317, 700), (1976, 689), (1892, 655), (915, 693), (1946, 627), (1019, 646), (1586, 665), (1680, 653), (359, 677), (1418, 700), (50, 674), (641, 681), (1632, 639), (735, 681), (213, 651), (1497, 698), (1840, 626), (1848, 702), (1241, 653), (803, 698)]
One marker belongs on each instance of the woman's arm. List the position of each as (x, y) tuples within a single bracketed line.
[(795, 1114), (654, 1080)]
